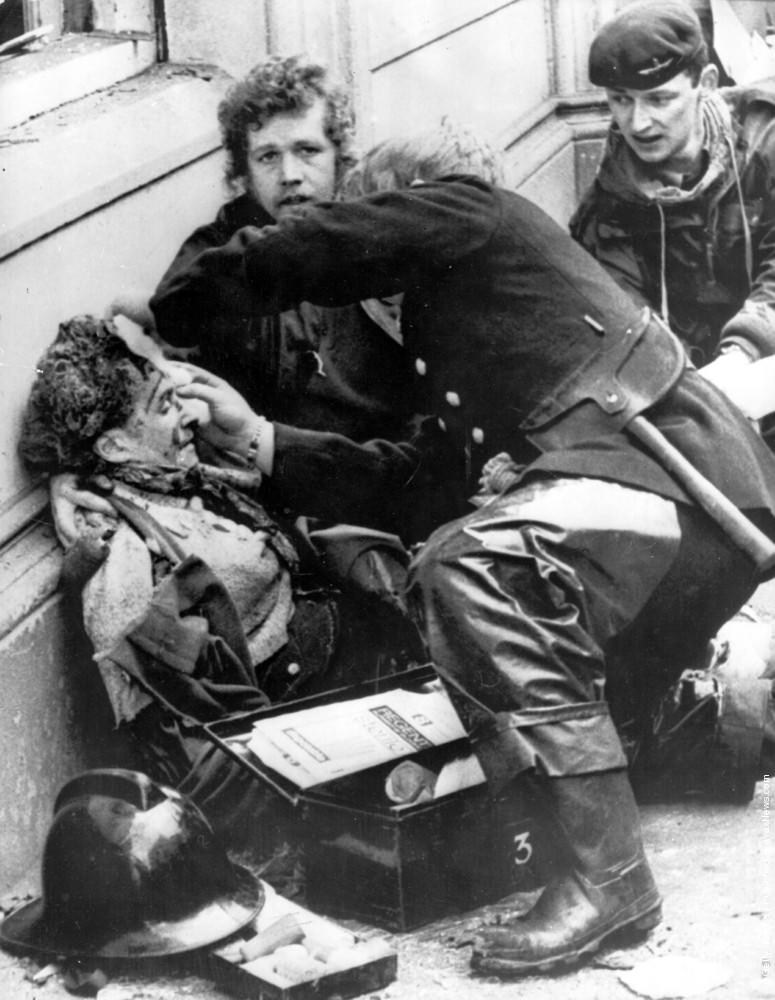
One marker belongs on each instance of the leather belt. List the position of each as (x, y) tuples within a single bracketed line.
[(610, 391)]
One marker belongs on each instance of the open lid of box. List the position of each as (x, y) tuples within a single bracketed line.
[(390, 721)]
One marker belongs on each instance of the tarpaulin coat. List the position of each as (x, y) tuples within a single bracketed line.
[(716, 268)]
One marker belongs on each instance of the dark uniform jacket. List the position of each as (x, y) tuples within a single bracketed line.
[(312, 367), (501, 311), (717, 272), (328, 377)]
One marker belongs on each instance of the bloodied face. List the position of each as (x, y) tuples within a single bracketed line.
[(159, 429)]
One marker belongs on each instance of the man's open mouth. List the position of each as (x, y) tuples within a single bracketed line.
[(187, 454)]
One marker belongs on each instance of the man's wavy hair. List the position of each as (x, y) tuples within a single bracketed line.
[(396, 163), (279, 85), (86, 385)]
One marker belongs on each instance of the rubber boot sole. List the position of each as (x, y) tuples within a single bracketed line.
[(507, 967)]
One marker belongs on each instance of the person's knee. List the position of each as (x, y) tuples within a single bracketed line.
[(430, 577), (432, 564)]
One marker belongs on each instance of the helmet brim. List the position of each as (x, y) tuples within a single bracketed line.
[(28, 928)]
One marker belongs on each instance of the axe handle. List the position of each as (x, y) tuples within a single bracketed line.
[(730, 518)]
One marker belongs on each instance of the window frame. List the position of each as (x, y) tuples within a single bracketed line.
[(73, 65)]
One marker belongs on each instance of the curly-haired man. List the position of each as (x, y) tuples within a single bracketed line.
[(322, 140), (287, 132)]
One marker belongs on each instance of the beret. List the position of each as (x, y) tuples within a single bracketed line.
[(645, 45)]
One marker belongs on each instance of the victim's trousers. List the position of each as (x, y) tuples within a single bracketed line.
[(560, 597)]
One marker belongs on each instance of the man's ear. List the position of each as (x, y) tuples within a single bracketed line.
[(114, 446), (709, 77)]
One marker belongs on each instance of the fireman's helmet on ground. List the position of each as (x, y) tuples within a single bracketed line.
[(131, 868)]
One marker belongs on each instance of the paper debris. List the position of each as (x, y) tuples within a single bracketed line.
[(315, 745), (672, 976)]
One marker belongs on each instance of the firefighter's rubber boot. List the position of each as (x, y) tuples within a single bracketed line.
[(608, 889)]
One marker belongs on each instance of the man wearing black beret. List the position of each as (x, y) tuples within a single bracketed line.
[(682, 211)]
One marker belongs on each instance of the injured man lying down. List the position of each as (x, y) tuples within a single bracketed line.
[(193, 595)]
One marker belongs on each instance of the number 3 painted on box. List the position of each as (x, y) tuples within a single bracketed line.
[(523, 849)]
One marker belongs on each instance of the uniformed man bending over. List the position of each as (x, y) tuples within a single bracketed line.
[(595, 565)]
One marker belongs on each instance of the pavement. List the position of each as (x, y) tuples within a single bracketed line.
[(714, 865)]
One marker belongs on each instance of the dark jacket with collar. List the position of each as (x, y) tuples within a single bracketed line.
[(704, 273), (327, 369), (501, 309)]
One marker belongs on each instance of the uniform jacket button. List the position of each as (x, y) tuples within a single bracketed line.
[(452, 398), (478, 435), (420, 367)]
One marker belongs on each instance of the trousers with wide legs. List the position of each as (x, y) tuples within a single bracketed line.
[(538, 608)]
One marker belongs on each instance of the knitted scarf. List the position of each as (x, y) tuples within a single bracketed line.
[(217, 490)]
